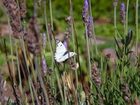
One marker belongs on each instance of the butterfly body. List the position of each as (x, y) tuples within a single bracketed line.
[(62, 53)]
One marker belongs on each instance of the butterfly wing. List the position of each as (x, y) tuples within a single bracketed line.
[(66, 56), (61, 53), (60, 49)]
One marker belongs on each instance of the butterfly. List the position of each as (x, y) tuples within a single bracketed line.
[(62, 53)]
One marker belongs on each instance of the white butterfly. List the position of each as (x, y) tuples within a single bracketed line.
[(62, 53)]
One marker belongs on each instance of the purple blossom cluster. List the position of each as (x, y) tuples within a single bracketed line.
[(44, 65), (90, 26), (85, 12), (87, 19), (122, 13)]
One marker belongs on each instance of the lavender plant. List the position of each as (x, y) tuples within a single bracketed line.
[(88, 78)]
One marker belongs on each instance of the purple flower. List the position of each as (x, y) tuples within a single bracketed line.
[(122, 12), (44, 65), (88, 20), (85, 11), (65, 44), (90, 26)]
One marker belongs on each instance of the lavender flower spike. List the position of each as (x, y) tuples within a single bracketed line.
[(44, 65), (85, 11), (122, 12), (90, 26)]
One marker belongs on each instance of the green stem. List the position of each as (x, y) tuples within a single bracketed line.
[(35, 93), (94, 35), (71, 14), (41, 80), (126, 22), (77, 48), (46, 23), (115, 22), (88, 52), (59, 85), (74, 42), (136, 22), (51, 16), (11, 43), (19, 73), (25, 55)]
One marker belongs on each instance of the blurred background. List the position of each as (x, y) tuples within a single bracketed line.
[(102, 12)]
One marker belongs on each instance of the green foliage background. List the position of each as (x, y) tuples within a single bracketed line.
[(101, 10)]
